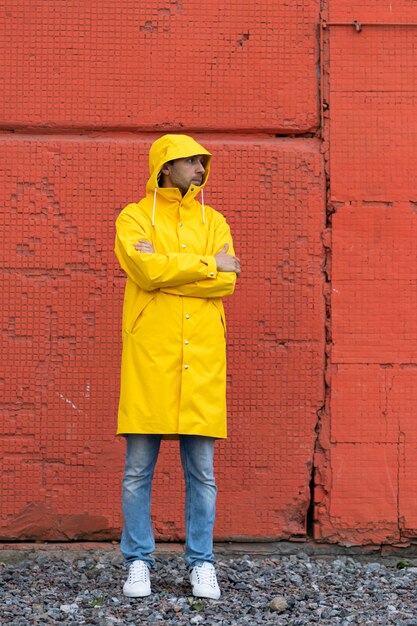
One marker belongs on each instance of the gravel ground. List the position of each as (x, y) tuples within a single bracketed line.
[(85, 588)]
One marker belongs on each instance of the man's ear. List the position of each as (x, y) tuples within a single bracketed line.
[(165, 169)]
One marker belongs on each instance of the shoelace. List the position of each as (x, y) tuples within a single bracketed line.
[(206, 574), (138, 572)]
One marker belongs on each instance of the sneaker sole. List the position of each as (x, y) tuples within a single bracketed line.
[(208, 596), (132, 594)]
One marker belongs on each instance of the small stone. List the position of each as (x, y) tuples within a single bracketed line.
[(374, 567), (278, 604), (242, 586), (296, 579), (69, 608)]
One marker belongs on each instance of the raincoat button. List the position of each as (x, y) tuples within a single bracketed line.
[(187, 317), (180, 223), (183, 245), (186, 342), (186, 367), (211, 273)]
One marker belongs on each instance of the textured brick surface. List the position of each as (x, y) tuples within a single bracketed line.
[(364, 495), (361, 405), (365, 460), (373, 11), (374, 242), (374, 273), (373, 94), (407, 484), (154, 65), (60, 320)]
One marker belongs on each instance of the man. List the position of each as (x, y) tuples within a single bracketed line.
[(179, 260)]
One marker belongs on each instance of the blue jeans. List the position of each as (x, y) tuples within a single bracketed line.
[(197, 454)]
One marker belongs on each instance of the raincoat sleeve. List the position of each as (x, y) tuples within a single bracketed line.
[(155, 271), (221, 283)]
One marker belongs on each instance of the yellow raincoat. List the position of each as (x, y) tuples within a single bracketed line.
[(173, 375)]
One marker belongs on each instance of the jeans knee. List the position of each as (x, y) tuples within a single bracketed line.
[(202, 475), (197, 454), (206, 476), (136, 478)]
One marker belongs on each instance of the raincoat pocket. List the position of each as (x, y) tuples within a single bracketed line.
[(219, 306), (135, 311)]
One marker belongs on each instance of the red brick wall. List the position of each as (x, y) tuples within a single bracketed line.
[(365, 460), (87, 87)]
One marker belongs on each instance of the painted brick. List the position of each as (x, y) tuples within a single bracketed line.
[(364, 458), (373, 11), (403, 403), (153, 65), (61, 318), (407, 488), (361, 404), (373, 277), (374, 322), (374, 242), (364, 491), (373, 403), (373, 97)]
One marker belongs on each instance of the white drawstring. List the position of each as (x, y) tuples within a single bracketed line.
[(202, 206), (154, 207)]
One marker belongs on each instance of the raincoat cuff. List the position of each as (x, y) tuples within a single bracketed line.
[(211, 267)]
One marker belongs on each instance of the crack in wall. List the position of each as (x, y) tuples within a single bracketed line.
[(320, 453)]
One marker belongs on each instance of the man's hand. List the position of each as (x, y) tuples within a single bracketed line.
[(144, 246), (227, 262)]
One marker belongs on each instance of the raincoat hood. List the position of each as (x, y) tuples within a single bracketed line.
[(170, 147)]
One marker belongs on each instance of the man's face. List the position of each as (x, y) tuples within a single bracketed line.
[(182, 173)]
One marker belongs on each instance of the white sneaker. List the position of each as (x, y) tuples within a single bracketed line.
[(204, 581), (138, 583)]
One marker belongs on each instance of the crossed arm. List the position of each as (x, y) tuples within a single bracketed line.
[(200, 276), (228, 268), (224, 262)]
